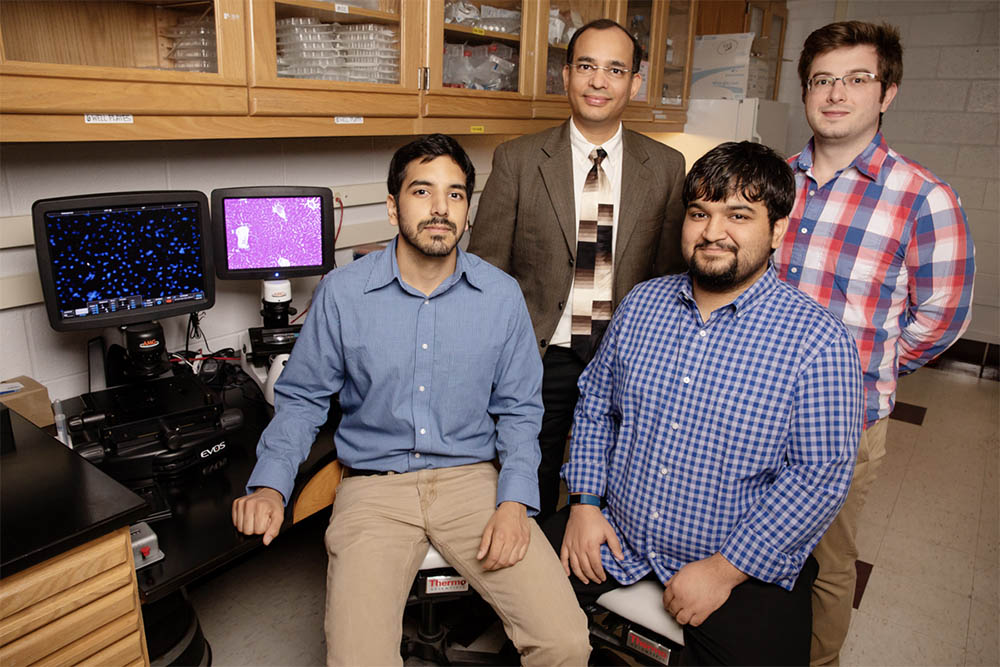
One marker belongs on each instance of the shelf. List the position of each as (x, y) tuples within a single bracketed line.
[(456, 29), (327, 12)]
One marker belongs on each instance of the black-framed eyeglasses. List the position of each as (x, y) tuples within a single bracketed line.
[(854, 80), (611, 71)]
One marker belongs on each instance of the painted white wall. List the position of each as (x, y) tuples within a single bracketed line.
[(945, 116), (28, 172)]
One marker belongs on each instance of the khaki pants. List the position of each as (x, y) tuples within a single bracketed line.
[(833, 590), (378, 537)]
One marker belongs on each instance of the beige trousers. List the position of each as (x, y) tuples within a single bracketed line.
[(378, 537), (833, 590)]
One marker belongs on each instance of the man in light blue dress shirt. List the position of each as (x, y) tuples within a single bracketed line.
[(717, 427), (432, 352)]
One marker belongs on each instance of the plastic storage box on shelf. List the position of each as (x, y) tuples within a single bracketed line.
[(365, 52)]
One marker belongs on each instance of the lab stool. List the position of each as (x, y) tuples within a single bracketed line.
[(636, 623), (437, 582)]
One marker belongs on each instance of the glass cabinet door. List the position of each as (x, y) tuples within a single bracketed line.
[(673, 85), (639, 22), (479, 45), (353, 42), (560, 19), (125, 40)]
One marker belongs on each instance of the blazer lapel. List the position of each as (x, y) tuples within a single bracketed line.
[(557, 175), (636, 179)]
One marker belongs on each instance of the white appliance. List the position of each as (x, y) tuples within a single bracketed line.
[(711, 122)]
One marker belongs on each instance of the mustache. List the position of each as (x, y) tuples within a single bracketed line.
[(424, 224), (714, 244)]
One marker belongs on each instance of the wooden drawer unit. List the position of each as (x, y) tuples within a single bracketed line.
[(81, 607)]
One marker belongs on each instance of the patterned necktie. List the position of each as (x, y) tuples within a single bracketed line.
[(592, 287)]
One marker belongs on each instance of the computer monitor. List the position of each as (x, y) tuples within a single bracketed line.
[(115, 259), (272, 232)]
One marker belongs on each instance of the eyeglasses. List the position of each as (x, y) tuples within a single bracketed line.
[(612, 71), (853, 81)]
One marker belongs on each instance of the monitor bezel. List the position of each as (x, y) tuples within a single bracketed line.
[(114, 200), (222, 270)]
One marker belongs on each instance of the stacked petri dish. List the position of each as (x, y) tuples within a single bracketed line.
[(194, 47), (309, 49)]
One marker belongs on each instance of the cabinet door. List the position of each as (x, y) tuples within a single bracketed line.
[(123, 57), (479, 58), (344, 59), (558, 20), (675, 62), (642, 19)]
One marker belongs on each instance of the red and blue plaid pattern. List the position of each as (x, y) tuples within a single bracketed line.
[(885, 245)]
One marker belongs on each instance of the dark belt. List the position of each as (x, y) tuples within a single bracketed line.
[(359, 472)]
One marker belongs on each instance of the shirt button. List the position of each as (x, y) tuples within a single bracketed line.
[(427, 301), (663, 470), (675, 425), (655, 515), (424, 346), (812, 192), (652, 554), (793, 270), (423, 431), (422, 387), (417, 455), (543, 342), (687, 380), (571, 261), (805, 231), (702, 333), (562, 304)]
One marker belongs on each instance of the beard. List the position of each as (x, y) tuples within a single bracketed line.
[(437, 245), (720, 275)]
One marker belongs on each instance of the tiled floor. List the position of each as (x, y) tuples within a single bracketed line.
[(929, 530)]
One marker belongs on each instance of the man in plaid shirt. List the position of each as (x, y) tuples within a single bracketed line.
[(881, 242), (716, 430)]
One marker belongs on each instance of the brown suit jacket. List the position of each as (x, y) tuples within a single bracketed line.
[(526, 222)]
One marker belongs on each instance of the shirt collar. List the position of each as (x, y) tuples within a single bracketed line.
[(386, 270), (871, 162), (581, 146), (750, 297)]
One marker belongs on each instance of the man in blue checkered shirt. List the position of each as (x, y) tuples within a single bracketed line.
[(717, 427)]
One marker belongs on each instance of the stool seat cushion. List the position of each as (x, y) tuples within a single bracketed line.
[(433, 560), (642, 603)]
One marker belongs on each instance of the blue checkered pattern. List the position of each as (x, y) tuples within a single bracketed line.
[(736, 436)]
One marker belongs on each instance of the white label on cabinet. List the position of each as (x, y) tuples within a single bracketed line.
[(341, 8), (349, 120), (120, 118), (230, 17)]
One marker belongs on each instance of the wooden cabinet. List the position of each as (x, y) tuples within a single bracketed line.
[(312, 58), (480, 67), (767, 19), (81, 607), (128, 57), (665, 30), (286, 68)]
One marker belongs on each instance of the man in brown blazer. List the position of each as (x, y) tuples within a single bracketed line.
[(529, 216)]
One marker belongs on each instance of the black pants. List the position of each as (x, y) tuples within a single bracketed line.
[(562, 368), (760, 623)]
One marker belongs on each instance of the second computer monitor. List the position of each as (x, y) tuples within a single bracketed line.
[(272, 232)]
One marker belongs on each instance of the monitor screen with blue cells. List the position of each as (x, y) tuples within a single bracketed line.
[(121, 258)]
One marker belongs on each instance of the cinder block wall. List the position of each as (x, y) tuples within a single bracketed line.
[(945, 116)]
